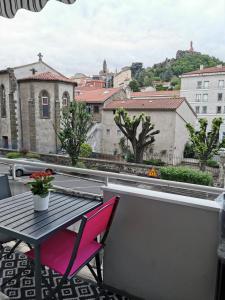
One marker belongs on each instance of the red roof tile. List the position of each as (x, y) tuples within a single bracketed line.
[(152, 94), (96, 96), (217, 69), (146, 104), (47, 76)]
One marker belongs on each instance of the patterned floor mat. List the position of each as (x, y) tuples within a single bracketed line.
[(23, 287)]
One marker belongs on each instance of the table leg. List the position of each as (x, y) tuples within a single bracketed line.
[(37, 273)]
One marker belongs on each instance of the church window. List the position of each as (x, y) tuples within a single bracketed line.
[(65, 99), (45, 104), (3, 101)]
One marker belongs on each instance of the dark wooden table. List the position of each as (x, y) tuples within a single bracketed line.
[(18, 219)]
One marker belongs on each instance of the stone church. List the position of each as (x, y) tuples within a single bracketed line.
[(31, 98)]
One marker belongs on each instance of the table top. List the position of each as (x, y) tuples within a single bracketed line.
[(19, 220)]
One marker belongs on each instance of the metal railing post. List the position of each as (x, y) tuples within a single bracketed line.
[(13, 172), (106, 180)]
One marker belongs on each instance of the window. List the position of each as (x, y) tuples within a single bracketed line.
[(199, 84), (65, 99), (219, 110), (198, 97), (197, 109), (108, 131), (204, 109), (205, 97), (220, 97), (44, 104), (88, 107), (96, 109), (3, 101), (206, 84), (221, 84)]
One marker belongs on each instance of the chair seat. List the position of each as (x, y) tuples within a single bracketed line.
[(56, 252)]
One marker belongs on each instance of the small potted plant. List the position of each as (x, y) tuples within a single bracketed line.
[(41, 187)]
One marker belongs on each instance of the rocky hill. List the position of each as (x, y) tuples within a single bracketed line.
[(170, 69)]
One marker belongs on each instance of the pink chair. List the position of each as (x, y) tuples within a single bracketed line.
[(67, 252)]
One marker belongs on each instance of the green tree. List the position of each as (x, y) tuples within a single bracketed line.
[(75, 123), (85, 150), (134, 85), (206, 143), (130, 126)]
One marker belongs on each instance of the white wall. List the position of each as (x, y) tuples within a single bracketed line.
[(163, 120), (162, 246)]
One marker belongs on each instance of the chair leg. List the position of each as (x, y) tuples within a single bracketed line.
[(92, 272), (54, 291), (98, 267)]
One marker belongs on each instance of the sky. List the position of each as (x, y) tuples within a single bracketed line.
[(77, 38)]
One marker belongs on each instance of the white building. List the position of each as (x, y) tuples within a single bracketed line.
[(204, 89), (169, 115)]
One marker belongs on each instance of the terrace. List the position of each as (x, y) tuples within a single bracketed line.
[(167, 234)]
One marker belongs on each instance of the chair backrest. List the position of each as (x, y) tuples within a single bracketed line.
[(97, 222), (5, 191)]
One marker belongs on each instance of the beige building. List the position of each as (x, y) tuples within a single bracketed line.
[(123, 78), (169, 115)]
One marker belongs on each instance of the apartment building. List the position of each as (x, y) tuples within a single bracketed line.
[(204, 89)]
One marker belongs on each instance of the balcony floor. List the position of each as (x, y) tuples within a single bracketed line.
[(23, 288)]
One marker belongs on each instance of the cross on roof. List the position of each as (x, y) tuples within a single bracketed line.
[(33, 70), (40, 56)]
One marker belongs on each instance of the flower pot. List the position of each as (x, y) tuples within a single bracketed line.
[(41, 203)]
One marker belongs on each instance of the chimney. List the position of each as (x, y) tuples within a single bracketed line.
[(201, 67), (219, 66)]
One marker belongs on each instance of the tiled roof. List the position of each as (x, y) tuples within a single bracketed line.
[(152, 94), (97, 95), (217, 69), (47, 76), (146, 104)]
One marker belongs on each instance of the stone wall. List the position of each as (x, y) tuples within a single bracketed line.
[(93, 163)]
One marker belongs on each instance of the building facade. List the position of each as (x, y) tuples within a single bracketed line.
[(123, 78), (170, 116), (42, 98), (204, 89), (12, 103)]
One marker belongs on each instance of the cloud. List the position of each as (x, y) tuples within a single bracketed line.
[(77, 38)]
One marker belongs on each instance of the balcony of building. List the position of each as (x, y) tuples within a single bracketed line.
[(162, 245)]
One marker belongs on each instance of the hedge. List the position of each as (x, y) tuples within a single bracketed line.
[(155, 162), (13, 155), (184, 174)]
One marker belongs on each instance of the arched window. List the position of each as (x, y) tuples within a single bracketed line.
[(65, 99), (44, 103), (3, 101)]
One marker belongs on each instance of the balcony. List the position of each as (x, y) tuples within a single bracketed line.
[(163, 242)]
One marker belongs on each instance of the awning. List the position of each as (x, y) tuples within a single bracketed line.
[(8, 8)]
